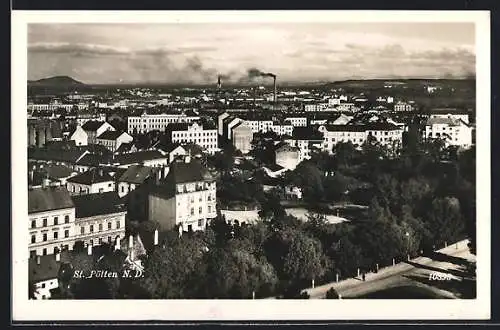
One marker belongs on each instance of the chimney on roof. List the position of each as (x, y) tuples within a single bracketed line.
[(37, 260), (130, 242), (58, 256), (155, 242), (89, 249), (117, 244), (187, 158)]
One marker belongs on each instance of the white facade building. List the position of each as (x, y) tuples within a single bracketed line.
[(79, 136), (195, 133), (454, 132), (297, 121), (146, 123)]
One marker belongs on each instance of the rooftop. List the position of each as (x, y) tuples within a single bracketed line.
[(90, 205), (138, 157), (306, 133), (136, 174), (92, 176), (92, 125), (445, 121), (47, 199), (110, 135)]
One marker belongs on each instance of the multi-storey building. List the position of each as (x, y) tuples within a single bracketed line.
[(260, 125), (93, 181), (450, 113), (184, 133), (282, 128), (99, 218), (384, 133), (158, 122), (305, 139), (242, 137), (403, 106), (112, 140), (454, 132), (297, 121), (185, 197), (51, 215)]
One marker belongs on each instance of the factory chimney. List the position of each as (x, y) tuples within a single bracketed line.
[(219, 82), (274, 85)]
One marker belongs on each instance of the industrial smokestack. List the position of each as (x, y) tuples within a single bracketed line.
[(219, 82), (274, 85)]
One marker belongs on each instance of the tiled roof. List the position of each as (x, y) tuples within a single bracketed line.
[(138, 157), (90, 205), (49, 198), (48, 268), (444, 121), (306, 133), (67, 156), (177, 127), (92, 125), (94, 160), (92, 176), (136, 174), (110, 135), (193, 171)]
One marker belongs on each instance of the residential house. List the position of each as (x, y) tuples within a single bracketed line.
[(305, 139), (113, 139), (51, 216), (151, 158), (242, 136), (79, 136), (159, 122), (454, 132), (94, 181), (99, 218), (185, 197), (95, 128)]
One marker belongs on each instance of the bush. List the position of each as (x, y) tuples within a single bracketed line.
[(332, 294)]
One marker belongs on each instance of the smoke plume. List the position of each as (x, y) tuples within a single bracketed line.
[(253, 73)]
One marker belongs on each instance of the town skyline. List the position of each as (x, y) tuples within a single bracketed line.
[(197, 53)]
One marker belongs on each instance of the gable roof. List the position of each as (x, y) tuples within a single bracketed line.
[(92, 176), (89, 205), (47, 199), (57, 155), (92, 125), (138, 157), (110, 135), (445, 121), (136, 174), (94, 160)]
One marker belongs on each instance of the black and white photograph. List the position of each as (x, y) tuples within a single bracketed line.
[(286, 165)]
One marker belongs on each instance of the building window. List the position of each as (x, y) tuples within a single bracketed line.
[(200, 210), (209, 209), (82, 230), (109, 225), (45, 222), (66, 219), (33, 223), (45, 237), (123, 188), (200, 223), (101, 190), (192, 211), (44, 252), (66, 233), (56, 220), (100, 227), (33, 238), (100, 240), (91, 228), (118, 225), (56, 234)]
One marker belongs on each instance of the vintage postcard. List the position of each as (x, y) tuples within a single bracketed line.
[(264, 165)]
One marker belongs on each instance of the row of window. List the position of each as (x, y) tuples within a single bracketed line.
[(91, 228), (45, 221), (189, 134), (45, 236)]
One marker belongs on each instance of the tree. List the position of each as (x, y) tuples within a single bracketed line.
[(235, 273), (444, 220), (331, 294), (305, 259), (310, 179)]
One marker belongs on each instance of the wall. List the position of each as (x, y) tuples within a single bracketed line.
[(117, 221), (50, 229), (162, 211), (81, 189), (80, 137)]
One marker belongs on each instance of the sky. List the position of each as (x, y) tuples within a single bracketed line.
[(195, 53)]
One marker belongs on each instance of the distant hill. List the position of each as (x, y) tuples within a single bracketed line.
[(58, 81)]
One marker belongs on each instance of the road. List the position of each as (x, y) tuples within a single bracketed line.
[(401, 274)]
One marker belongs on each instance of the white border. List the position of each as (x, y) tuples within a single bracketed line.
[(193, 310)]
